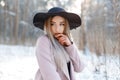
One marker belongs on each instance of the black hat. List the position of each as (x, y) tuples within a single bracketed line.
[(73, 19)]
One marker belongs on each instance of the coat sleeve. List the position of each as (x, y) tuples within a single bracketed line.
[(45, 62), (75, 58)]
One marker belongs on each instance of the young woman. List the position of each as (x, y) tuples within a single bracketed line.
[(56, 53)]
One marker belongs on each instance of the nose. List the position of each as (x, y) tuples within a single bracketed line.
[(57, 28)]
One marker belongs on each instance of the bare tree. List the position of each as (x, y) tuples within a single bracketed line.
[(116, 7)]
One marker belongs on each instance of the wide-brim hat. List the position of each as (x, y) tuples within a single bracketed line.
[(39, 19)]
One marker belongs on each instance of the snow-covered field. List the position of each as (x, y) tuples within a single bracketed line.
[(19, 63)]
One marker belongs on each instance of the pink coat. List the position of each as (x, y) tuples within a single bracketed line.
[(47, 68)]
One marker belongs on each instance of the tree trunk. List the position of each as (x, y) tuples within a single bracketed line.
[(16, 25)]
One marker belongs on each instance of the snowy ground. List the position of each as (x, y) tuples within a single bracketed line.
[(19, 63)]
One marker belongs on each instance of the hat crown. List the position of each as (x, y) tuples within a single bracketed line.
[(56, 10)]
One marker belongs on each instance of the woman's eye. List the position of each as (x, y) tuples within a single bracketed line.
[(62, 24), (51, 24)]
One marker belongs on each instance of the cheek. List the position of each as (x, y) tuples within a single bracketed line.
[(52, 29), (62, 30)]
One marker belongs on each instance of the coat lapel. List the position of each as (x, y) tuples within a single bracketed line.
[(65, 71)]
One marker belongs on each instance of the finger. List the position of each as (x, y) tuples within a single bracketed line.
[(59, 35), (62, 42), (61, 39)]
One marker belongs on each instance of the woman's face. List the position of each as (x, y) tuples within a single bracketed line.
[(57, 25)]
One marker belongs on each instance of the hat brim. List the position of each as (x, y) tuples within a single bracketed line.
[(73, 19)]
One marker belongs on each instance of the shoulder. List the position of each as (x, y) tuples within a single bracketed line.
[(43, 39), (43, 47)]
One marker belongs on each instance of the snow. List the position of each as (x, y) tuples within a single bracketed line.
[(19, 63)]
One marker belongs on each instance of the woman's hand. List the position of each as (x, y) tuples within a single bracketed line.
[(63, 39)]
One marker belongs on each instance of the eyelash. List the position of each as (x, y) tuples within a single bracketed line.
[(60, 24), (51, 24)]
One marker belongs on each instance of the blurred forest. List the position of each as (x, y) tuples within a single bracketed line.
[(16, 19), (99, 32), (100, 29)]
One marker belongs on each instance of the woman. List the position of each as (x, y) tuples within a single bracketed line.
[(56, 54)]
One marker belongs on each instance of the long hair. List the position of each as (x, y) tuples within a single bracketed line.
[(61, 57)]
